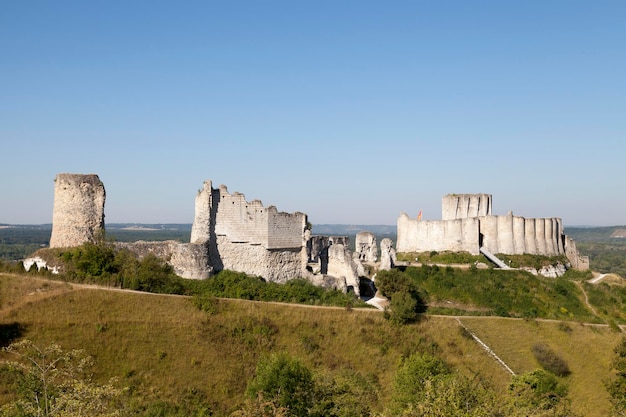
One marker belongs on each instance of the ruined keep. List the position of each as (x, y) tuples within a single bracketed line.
[(78, 214), (469, 226), (247, 237)]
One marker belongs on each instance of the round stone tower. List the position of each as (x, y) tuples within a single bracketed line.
[(78, 215)]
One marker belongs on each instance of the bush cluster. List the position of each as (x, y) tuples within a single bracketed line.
[(550, 360)]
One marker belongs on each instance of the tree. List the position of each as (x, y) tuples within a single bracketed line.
[(425, 386), (617, 386), (405, 300), (284, 382), (52, 382), (538, 393)]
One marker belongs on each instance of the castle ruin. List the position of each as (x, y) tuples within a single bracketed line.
[(231, 233), (469, 226), (78, 214)]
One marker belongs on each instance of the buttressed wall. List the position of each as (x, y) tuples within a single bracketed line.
[(78, 214), (468, 225)]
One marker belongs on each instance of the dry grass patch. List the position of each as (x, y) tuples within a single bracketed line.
[(587, 350)]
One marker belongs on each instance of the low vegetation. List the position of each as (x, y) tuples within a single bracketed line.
[(206, 355), (172, 358)]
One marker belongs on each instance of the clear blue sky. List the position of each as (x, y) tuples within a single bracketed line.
[(349, 111)]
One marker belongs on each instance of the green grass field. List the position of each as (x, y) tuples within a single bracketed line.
[(169, 352)]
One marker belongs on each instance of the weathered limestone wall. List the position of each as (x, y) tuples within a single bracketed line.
[(273, 265), (189, 260), (387, 255), (201, 228), (514, 235), (317, 246), (247, 237), (78, 214), (461, 206), (365, 247), (576, 260), (342, 265), (460, 235), (254, 224)]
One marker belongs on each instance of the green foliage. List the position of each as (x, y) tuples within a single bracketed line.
[(425, 386), (608, 300), (503, 293), (411, 376), (345, 394), (230, 284), (538, 391), (100, 263), (403, 308), (53, 382), (550, 360), (405, 299), (617, 385), (285, 380)]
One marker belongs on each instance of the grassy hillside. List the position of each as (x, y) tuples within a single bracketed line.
[(174, 356)]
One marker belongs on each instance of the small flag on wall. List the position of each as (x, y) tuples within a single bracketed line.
[(419, 215)]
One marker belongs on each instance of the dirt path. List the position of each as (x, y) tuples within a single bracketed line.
[(589, 306)]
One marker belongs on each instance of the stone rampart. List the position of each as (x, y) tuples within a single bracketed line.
[(78, 214), (460, 235), (515, 235)]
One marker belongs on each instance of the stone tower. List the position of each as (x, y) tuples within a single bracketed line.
[(78, 215), (462, 206)]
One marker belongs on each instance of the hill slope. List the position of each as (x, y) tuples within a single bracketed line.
[(169, 352)]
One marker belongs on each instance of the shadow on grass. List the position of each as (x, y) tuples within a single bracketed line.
[(9, 332)]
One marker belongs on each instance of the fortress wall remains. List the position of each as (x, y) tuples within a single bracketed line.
[(365, 247), (285, 230), (489, 233), (201, 229), (437, 235), (514, 235), (530, 236), (519, 235), (540, 232), (273, 265), (78, 214), (461, 206), (576, 260), (560, 237), (505, 234), (250, 222), (341, 265), (241, 221)]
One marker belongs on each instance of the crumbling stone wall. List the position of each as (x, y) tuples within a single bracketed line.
[(189, 260), (78, 214), (387, 255), (365, 247), (317, 246), (342, 265), (248, 237)]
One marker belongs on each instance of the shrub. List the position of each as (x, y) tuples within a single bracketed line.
[(549, 360), (284, 380)]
